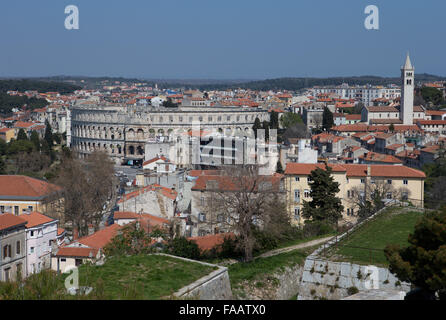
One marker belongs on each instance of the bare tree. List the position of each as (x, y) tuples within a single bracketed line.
[(86, 188), (372, 196), (240, 200)]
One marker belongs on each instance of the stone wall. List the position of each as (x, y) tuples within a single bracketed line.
[(214, 286), (323, 279)]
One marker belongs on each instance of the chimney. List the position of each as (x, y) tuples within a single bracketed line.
[(90, 229), (369, 171), (75, 234)]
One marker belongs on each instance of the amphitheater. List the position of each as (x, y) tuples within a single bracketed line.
[(123, 131)]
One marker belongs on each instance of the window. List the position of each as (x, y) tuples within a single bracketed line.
[(30, 208), (7, 251), (31, 250), (389, 195), (296, 195), (405, 196), (63, 259), (308, 179), (296, 179), (201, 217), (220, 218), (296, 213), (372, 181), (307, 193), (405, 181), (349, 195), (18, 247), (16, 210), (7, 274), (389, 181), (362, 180), (32, 233)]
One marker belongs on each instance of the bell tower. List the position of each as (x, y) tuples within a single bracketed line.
[(407, 92)]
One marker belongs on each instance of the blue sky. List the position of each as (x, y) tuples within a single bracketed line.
[(230, 39)]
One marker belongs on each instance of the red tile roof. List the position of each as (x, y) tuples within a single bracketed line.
[(100, 238), (76, 252), (8, 220), (25, 187), (357, 170), (35, 218), (210, 241)]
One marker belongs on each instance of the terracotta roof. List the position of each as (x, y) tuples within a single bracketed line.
[(20, 187), (154, 160), (76, 252), (35, 218), (100, 238), (60, 231), (154, 220), (379, 157), (8, 220), (227, 183), (432, 122), (382, 109), (210, 241), (357, 170)]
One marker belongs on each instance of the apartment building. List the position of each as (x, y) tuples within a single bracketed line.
[(22, 194), (402, 183), (13, 247)]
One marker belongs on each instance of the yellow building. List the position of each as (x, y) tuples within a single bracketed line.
[(356, 181), (7, 134), (21, 194)]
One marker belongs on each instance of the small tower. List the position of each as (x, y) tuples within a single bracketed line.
[(407, 92)]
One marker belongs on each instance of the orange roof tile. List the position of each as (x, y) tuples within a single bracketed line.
[(35, 218), (8, 220), (18, 187)]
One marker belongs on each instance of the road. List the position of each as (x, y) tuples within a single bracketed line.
[(291, 248)]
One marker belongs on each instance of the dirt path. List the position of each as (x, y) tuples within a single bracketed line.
[(297, 246)]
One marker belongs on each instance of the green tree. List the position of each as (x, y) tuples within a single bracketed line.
[(48, 135), (184, 248), (432, 95), (35, 140), (266, 126), (325, 205), (3, 147), (22, 135), (274, 120), (327, 119), (391, 127), (279, 168), (290, 119), (257, 125), (423, 262), (2, 166)]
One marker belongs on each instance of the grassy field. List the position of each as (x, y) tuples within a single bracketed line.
[(142, 277), (251, 271), (391, 227)]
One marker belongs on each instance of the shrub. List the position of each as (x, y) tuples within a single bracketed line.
[(184, 248), (316, 228), (352, 290)]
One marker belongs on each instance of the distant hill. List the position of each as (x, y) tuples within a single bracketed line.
[(40, 86), (297, 84)]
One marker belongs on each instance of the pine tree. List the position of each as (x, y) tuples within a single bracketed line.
[(325, 205), (257, 125), (391, 127), (274, 120), (327, 119), (423, 262), (266, 126), (48, 135), (35, 140), (279, 168), (22, 135)]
